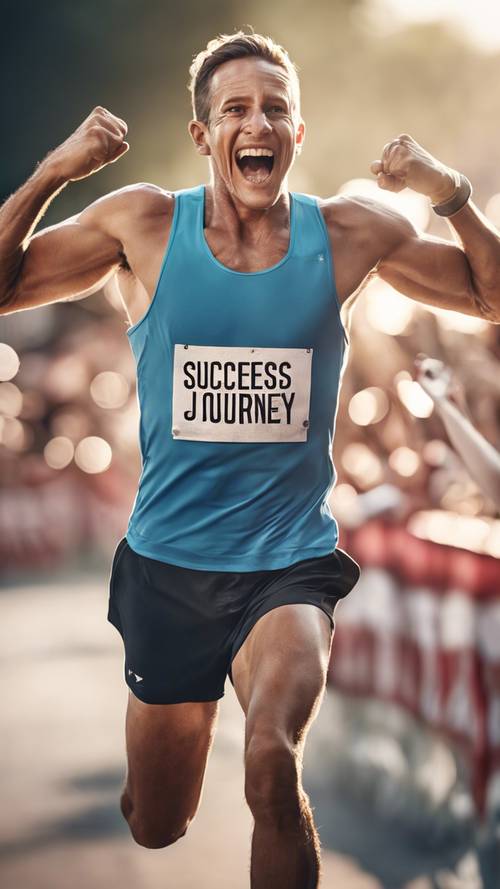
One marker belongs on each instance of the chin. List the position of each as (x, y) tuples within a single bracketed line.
[(258, 196)]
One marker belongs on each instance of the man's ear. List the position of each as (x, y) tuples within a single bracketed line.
[(300, 135), (199, 134)]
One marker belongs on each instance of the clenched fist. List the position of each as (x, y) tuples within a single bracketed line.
[(98, 141), (405, 164)]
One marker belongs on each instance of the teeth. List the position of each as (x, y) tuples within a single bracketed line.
[(254, 152)]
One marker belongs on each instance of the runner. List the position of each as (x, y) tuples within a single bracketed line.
[(230, 565)]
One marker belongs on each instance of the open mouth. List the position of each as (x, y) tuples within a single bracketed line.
[(255, 168)]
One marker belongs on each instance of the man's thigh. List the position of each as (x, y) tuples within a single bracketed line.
[(280, 671), (167, 752)]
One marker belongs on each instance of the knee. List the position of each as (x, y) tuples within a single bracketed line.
[(151, 835), (272, 779), (153, 838)]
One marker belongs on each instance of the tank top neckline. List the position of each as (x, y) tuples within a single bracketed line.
[(225, 268)]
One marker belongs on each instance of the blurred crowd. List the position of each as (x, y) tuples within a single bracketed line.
[(69, 458), (396, 436)]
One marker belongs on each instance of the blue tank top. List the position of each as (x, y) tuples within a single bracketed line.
[(237, 380)]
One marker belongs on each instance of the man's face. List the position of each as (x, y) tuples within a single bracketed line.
[(251, 108)]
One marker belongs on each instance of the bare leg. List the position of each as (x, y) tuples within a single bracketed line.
[(279, 676), (167, 751)]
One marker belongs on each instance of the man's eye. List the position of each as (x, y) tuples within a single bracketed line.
[(234, 108), (278, 108)]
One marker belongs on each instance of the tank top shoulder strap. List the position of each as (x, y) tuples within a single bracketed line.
[(188, 201), (313, 234)]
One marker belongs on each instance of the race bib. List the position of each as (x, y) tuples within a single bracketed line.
[(238, 393)]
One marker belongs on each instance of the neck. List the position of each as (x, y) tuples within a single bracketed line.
[(224, 212)]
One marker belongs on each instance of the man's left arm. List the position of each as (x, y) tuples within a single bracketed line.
[(464, 277)]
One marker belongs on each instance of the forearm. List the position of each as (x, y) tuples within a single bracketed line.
[(464, 277), (480, 241), (479, 456), (19, 216)]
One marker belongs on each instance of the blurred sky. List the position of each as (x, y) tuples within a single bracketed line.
[(479, 20)]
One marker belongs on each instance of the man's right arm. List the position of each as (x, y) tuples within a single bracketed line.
[(77, 256)]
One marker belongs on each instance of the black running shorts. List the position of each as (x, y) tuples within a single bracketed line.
[(182, 627)]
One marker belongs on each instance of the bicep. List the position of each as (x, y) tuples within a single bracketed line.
[(431, 270), (65, 261)]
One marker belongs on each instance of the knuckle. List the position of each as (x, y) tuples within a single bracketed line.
[(96, 131), (101, 120)]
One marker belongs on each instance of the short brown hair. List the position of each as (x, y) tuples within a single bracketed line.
[(226, 47)]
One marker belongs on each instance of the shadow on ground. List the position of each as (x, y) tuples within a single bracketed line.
[(97, 821)]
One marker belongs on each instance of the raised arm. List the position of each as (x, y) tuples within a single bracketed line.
[(440, 273), (480, 458), (77, 256), (463, 276)]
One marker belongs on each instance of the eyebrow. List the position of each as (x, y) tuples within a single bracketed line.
[(274, 97)]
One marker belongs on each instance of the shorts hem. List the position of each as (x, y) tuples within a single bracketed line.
[(176, 699)]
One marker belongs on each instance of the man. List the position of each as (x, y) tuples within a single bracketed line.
[(235, 327)]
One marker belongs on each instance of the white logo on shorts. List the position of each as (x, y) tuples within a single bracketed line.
[(137, 678)]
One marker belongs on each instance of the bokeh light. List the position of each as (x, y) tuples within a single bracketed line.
[(415, 400), (368, 406), (11, 400), (109, 389), (409, 203), (452, 529), (59, 452), (15, 435), (362, 464), (343, 494), (9, 362), (344, 504), (492, 210), (492, 543), (435, 452), (457, 497), (126, 425), (386, 309), (93, 454), (404, 461)]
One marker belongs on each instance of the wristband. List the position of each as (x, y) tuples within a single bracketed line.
[(457, 201)]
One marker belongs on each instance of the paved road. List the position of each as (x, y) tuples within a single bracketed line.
[(62, 761)]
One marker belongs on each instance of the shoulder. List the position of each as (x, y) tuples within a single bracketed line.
[(362, 231), (140, 203), (365, 219)]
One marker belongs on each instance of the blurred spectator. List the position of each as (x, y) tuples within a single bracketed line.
[(479, 456)]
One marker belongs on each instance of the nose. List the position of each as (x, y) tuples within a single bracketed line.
[(257, 122)]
